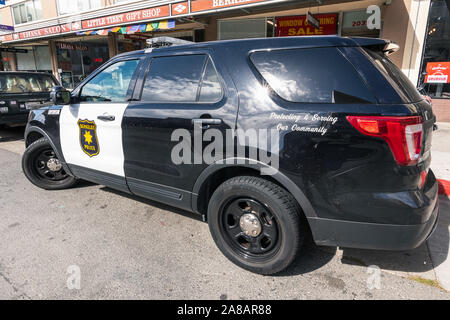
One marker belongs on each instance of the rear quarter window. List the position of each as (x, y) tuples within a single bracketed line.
[(316, 75), (398, 80)]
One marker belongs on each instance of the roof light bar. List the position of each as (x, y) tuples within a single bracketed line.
[(165, 42)]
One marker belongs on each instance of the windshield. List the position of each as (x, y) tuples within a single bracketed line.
[(394, 75), (25, 83)]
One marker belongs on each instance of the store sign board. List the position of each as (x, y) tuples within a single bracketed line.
[(4, 27), (203, 5), (145, 14), (299, 26), (163, 11), (355, 20), (76, 25), (43, 32), (136, 37), (7, 37), (180, 8), (438, 72), (70, 46)]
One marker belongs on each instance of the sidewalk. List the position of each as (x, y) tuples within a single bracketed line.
[(438, 244)]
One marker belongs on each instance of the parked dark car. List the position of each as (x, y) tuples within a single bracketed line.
[(22, 91), (350, 163)]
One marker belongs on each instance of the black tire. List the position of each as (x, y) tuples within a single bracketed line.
[(276, 209), (37, 171)]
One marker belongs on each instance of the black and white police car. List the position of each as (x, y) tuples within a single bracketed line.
[(352, 149)]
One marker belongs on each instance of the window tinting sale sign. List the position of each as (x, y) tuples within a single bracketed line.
[(298, 25)]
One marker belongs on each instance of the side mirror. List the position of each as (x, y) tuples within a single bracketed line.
[(59, 96)]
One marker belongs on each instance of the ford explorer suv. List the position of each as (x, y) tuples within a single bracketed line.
[(269, 140), (22, 91)]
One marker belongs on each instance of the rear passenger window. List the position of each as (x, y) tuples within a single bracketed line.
[(318, 75), (187, 78)]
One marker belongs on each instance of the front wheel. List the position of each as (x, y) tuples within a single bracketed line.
[(256, 224), (42, 167)]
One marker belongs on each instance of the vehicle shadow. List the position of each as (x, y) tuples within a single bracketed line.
[(8, 134), (429, 255), (152, 203), (312, 257), (83, 184)]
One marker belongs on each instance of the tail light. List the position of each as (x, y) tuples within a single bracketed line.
[(402, 134)]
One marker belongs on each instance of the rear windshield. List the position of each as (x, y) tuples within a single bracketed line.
[(25, 83), (313, 75), (395, 76)]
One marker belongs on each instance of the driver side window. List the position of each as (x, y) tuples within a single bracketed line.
[(111, 84)]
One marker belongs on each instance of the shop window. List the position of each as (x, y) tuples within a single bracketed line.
[(434, 78), (27, 11), (319, 75), (178, 79), (37, 58), (242, 29), (71, 6), (25, 61), (111, 84), (78, 59)]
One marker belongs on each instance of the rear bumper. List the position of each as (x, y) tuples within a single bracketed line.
[(13, 118), (379, 236)]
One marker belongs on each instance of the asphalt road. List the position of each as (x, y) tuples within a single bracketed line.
[(129, 248)]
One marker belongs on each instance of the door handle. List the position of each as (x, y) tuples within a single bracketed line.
[(209, 121), (205, 123), (106, 117)]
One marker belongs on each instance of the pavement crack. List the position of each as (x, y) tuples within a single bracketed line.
[(9, 281)]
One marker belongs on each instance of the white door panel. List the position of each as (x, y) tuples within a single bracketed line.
[(110, 157)]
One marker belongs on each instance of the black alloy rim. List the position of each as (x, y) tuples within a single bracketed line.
[(40, 165), (263, 245)]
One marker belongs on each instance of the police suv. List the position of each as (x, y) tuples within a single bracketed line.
[(269, 140)]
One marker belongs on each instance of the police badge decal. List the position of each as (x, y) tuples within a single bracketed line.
[(88, 137)]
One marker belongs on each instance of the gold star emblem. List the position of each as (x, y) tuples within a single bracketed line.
[(88, 137)]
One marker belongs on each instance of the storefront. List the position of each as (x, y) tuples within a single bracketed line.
[(435, 69), (345, 20), (78, 59)]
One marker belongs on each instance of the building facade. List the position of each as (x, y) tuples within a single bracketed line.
[(71, 38)]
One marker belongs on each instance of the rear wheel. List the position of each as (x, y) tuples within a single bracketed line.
[(43, 168), (256, 224)]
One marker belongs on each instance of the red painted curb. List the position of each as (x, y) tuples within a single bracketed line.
[(444, 187)]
